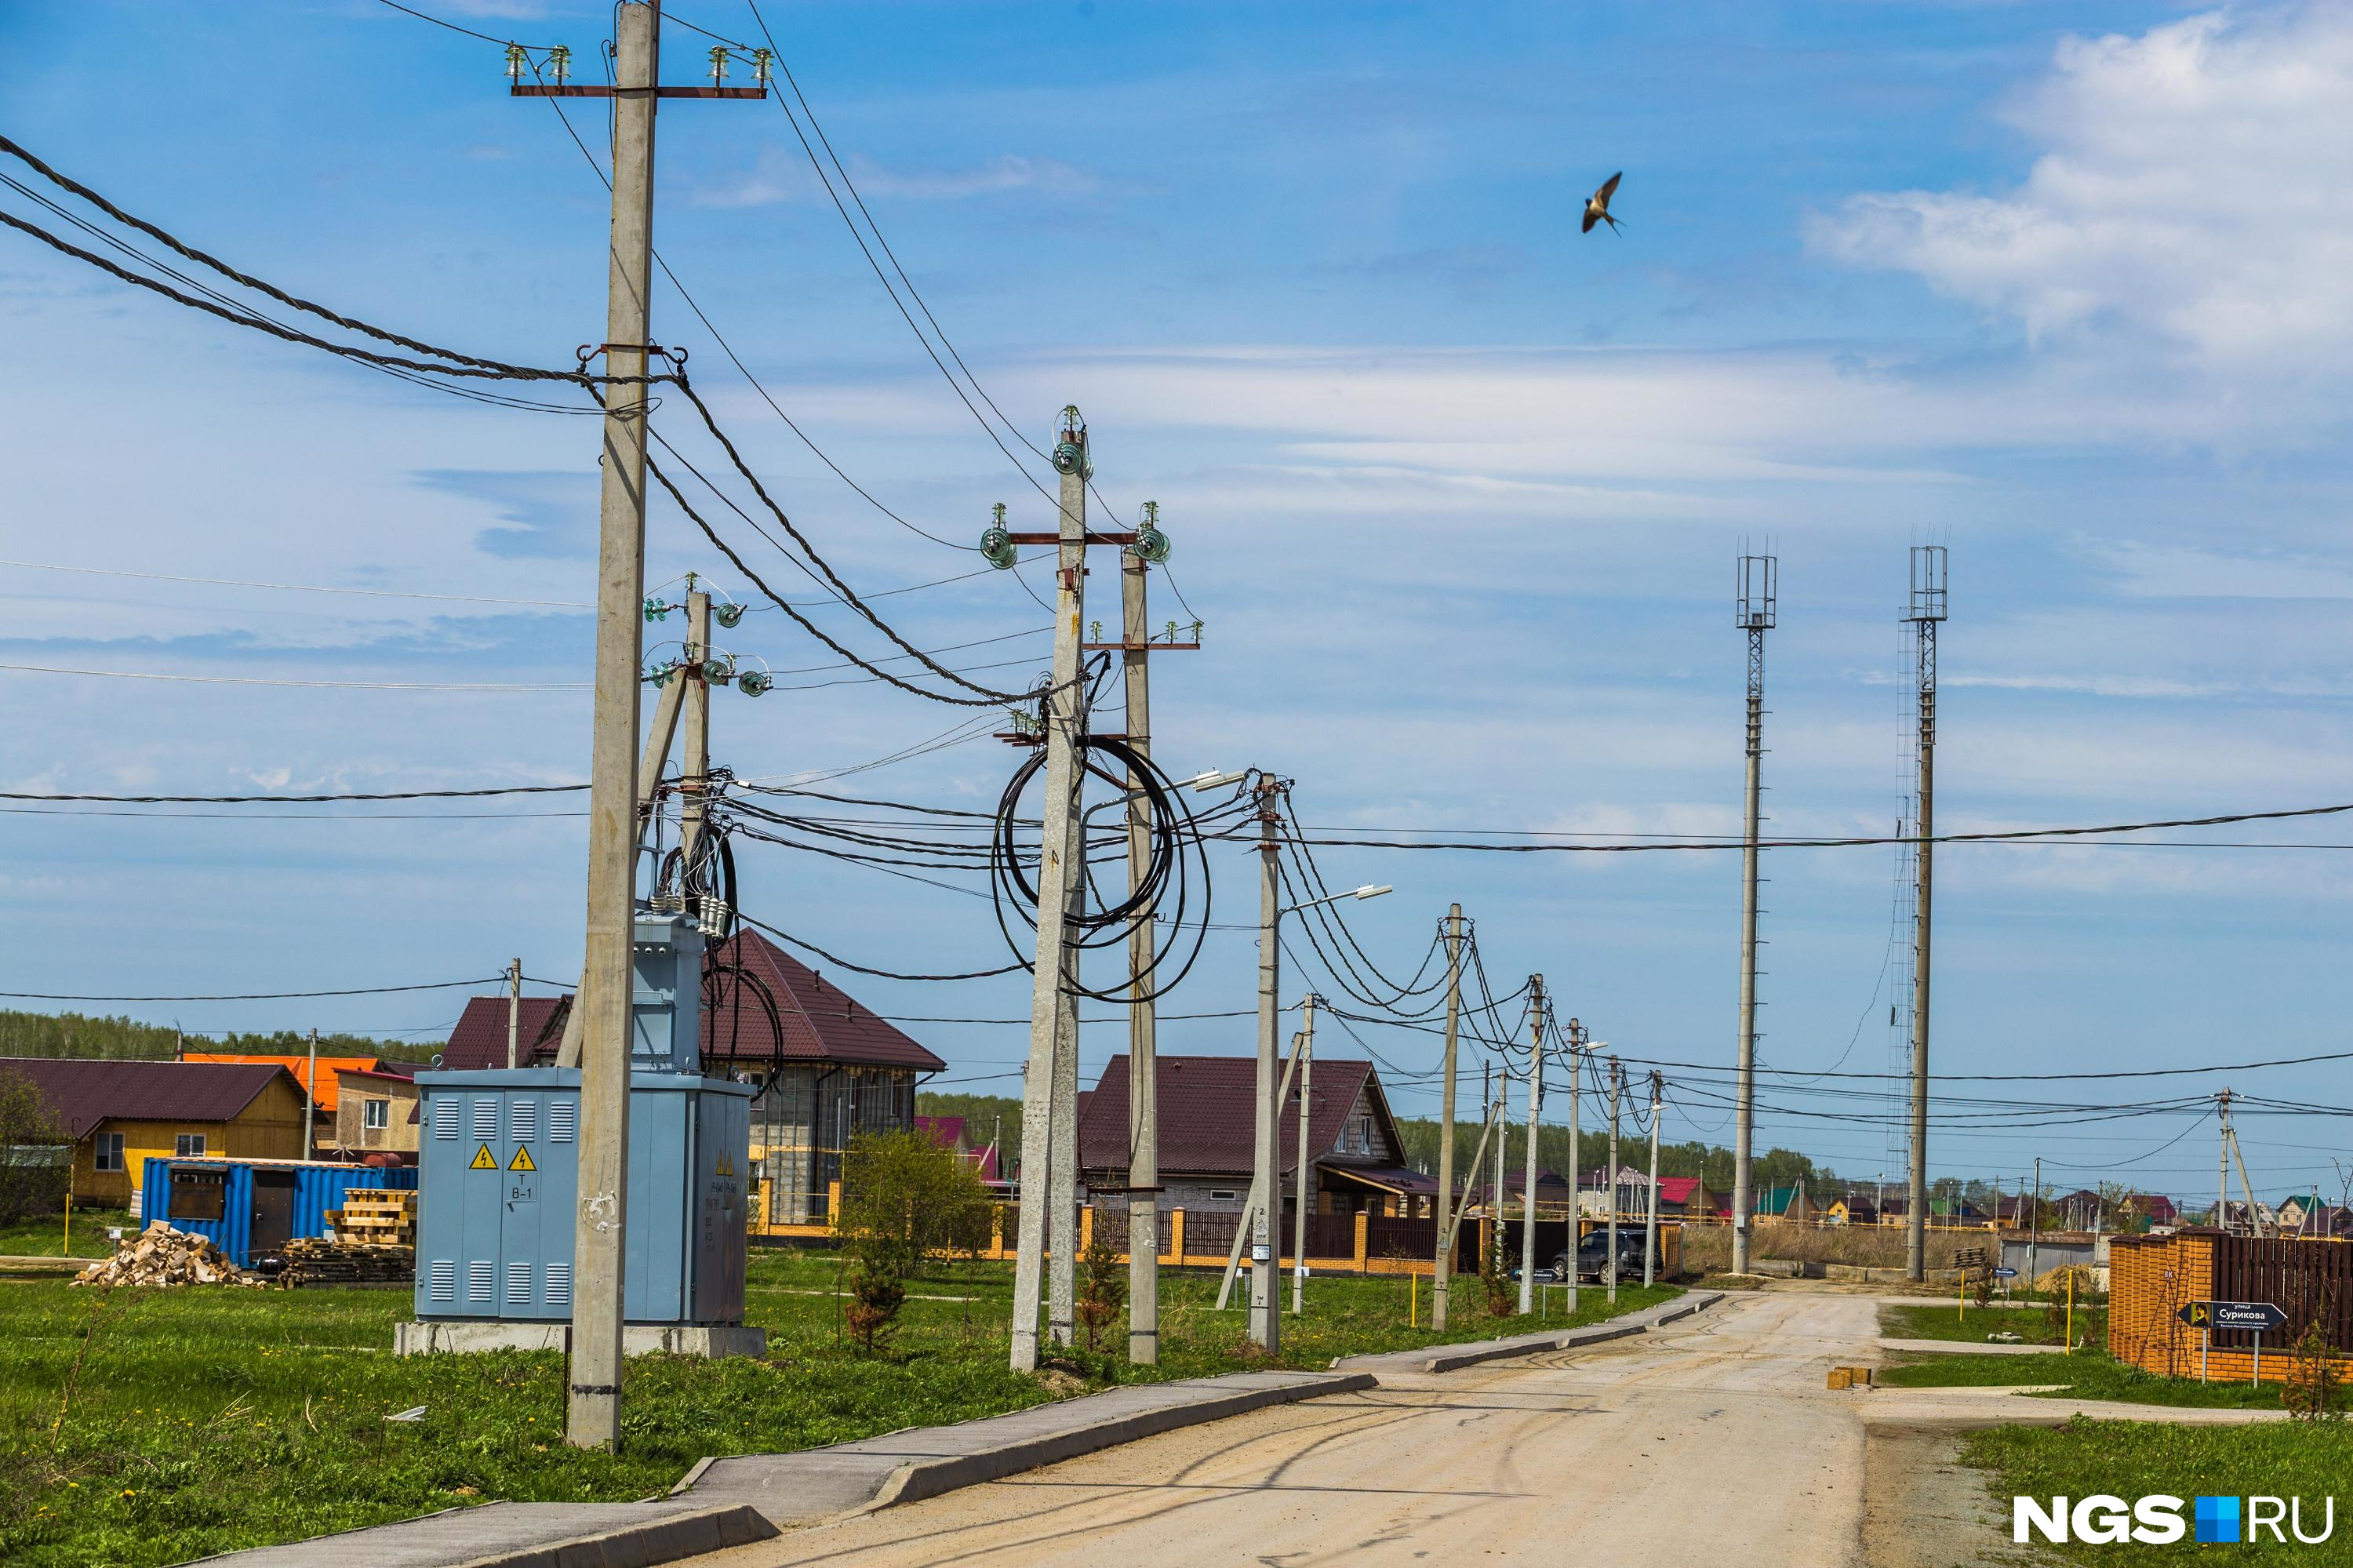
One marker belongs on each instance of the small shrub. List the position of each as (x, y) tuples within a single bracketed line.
[(2314, 1387), (1501, 1300), (876, 1294), (1102, 1287)]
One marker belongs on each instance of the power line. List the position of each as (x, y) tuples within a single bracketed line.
[(304, 800), (2008, 835), (258, 995)]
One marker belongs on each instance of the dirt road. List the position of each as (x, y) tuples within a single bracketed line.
[(1712, 1440)]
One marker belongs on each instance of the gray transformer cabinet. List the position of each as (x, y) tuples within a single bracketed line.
[(498, 1162)]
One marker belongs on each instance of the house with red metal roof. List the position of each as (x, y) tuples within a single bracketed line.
[(829, 1067), (120, 1114), (1357, 1158)]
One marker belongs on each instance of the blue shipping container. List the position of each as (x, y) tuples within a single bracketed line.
[(251, 1208)]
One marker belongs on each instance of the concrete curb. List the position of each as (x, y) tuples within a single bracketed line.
[(932, 1478), (1455, 1358), (524, 1535), (667, 1540)]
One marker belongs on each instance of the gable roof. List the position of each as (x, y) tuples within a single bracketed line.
[(330, 1068), (1207, 1120), (479, 1038), (81, 1092), (821, 1023), (1677, 1189), (1777, 1200)]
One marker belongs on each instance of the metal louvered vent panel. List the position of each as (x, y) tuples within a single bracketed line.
[(444, 1117), (563, 1120), (481, 1276), (441, 1280), (523, 1121), (486, 1118), (559, 1284), (519, 1285)]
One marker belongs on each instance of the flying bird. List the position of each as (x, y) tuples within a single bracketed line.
[(1597, 205)]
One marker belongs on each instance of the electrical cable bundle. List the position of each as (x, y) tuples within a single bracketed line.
[(1176, 853)]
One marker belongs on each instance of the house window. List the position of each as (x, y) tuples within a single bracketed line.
[(1364, 1144), (188, 1144), (1223, 1194), (107, 1154), (375, 1115)]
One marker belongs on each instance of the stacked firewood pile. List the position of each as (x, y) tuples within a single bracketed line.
[(311, 1260), (162, 1256)]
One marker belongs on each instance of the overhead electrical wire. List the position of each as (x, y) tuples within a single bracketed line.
[(258, 995)]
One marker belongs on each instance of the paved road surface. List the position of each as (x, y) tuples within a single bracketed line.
[(1710, 1441)]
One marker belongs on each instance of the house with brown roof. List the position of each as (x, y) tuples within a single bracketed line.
[(1357, 1158), (120, 1114), (327, 1126), (829, 1067)]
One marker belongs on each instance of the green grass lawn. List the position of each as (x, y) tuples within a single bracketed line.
[(2086, 1374), (204, 1420), (2036, 1325), (46, 1237), (2131, 1458)]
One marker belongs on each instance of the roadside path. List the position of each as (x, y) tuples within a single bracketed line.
[(1713, 1436)]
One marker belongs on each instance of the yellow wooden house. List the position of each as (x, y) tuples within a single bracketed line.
[(121, 1114)]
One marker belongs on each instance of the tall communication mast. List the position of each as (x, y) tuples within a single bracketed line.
[(1759, 584), (1923, 612)]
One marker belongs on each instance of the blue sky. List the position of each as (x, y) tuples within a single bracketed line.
[(1456, 488)]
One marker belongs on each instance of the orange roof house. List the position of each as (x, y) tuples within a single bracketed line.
[(329, 1067)]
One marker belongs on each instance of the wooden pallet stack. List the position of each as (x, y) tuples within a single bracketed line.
[(314, 1260), (376, 1216)]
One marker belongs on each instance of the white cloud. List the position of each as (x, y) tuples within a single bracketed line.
[(779, 176), (2192, 188)]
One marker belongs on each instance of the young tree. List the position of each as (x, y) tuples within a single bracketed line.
[(1103, 1284), (36, 1157), (904, 1199)]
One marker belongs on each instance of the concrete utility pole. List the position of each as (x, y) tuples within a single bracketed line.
[(1266, 1317), (1050, 1084), (606, 987), (1143, 1018), (1576, 1174), (1306, 1103), (311, 1098), (514, 1010), (659, 736), (2034, 1236), (1535, 1110), (1616, 1083), (2222, 1164), (1651, 1227), (694, 766), (1758, 590), (1926, 612), (1442, 1266)]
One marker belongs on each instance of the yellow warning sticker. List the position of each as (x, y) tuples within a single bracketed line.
[(522, 1161), (483, 1159), (726, 1166)]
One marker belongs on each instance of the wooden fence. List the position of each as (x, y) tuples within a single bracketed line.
[(2151, 1279), (1337, 1243)]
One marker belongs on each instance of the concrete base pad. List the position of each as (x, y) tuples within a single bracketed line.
[(433, 1337)]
